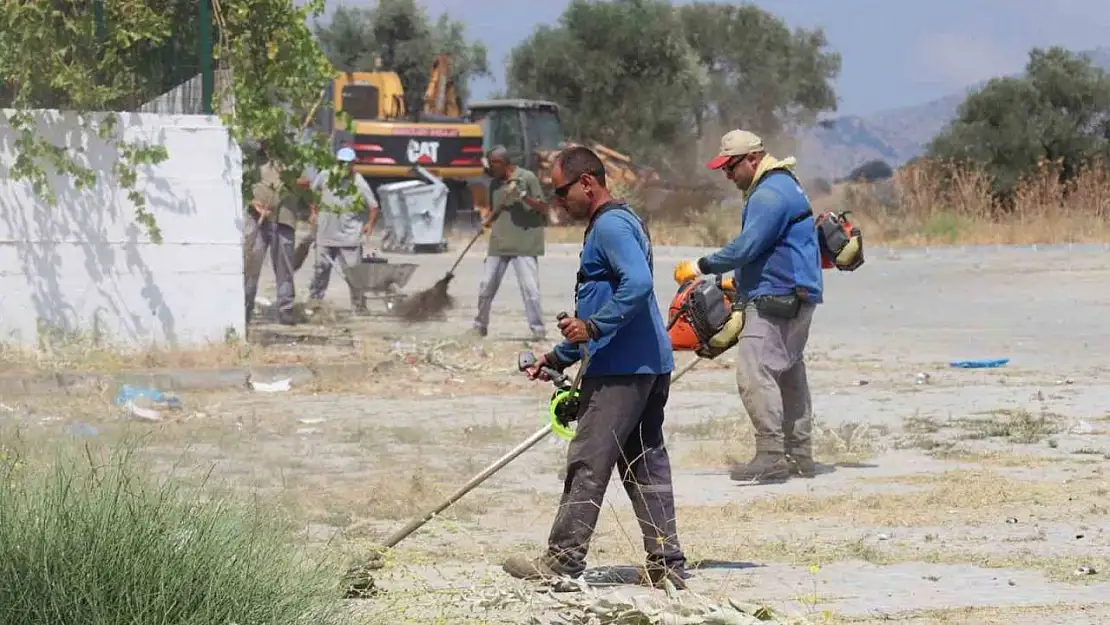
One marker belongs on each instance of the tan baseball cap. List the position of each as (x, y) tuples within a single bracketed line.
[(735, 143)]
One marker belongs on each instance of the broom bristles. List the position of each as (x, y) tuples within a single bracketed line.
[(427, 303)]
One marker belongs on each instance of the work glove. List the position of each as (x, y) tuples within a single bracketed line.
[(686, 270), (514, 192)]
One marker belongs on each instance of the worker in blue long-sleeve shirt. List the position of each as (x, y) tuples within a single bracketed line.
[(777, 265), (624, 387)]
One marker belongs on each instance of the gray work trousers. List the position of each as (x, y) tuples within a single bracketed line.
[(527, 270), (620, 425), (278, 239), (771, 377), (341, 256)]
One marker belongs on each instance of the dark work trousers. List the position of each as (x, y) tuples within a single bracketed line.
[(620, 425), (278, 239)]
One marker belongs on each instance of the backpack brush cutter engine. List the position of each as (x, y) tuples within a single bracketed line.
[(706, 317)]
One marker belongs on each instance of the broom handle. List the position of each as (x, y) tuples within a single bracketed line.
[(488, 472), (473, 240)]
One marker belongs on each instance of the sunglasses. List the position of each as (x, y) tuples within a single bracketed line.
[(562, 191)]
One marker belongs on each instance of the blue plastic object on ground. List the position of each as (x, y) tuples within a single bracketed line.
[(983, 363), (128, 394)]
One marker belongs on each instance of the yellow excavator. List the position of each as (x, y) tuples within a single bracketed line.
[(389, 141)]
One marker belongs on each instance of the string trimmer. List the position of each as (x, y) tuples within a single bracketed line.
[(562, 412)]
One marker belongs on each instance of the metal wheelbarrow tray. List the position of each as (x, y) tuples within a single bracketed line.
[(380, 280)]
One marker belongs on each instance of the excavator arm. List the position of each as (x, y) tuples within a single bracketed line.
[(440, 97)]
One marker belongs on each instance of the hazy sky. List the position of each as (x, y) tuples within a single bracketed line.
[(895, 53)]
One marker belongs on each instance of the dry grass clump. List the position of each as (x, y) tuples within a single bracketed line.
[(973, 497), (926, 203), (717, 443), (940, 203)]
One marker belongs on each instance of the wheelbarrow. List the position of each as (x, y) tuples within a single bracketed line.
[(377, 278)]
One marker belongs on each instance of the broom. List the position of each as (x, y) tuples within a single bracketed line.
[(435, 300)]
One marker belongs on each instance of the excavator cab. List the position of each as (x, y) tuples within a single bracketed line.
[(369, 95), (529, 129)]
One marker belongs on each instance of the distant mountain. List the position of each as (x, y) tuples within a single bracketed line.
[(833, 148)]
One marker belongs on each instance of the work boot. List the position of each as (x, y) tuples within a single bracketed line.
[(532, 569), (801, 466), (287, 319), (653, 574), (765, 466)]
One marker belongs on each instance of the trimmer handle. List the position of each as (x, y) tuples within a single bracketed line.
[(581, 348), (526, 360)]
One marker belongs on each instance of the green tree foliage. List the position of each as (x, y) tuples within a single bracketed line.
[(400, 33), (621, 70), (348, 39), (762, 76), (109, 63), (1058, 111), (278, 75), (649, 78), (114, 55)]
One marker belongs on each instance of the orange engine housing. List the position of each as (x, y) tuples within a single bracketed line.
[(682, 325)]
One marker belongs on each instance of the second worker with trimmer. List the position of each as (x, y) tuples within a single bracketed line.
[(624, 388)]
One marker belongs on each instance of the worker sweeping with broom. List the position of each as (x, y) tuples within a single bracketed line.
[(516, 239), (516, 225)]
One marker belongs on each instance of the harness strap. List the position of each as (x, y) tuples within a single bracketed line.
[(581, 277), (809, 211)]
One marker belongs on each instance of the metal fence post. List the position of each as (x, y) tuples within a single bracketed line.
[(98, 17), (207, 77)]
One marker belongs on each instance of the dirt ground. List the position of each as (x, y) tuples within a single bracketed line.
[(946, 495)]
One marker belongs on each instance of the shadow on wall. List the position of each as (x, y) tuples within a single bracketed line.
[(86, 266)]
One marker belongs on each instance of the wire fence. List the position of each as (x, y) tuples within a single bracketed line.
[(189, 97)]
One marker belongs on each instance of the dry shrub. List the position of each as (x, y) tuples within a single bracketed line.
[(942, 203), (926, 203)]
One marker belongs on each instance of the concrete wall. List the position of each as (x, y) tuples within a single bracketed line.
[(85, 267)]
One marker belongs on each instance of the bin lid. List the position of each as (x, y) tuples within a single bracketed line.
[(402, 185)]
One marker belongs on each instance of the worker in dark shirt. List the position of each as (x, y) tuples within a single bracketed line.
[(624, 387)]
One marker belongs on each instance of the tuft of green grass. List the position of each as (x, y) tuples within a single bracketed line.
[(1017, 426), (89, 538)]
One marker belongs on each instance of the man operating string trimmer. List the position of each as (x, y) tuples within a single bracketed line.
[(777, 259), (624, 386)]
